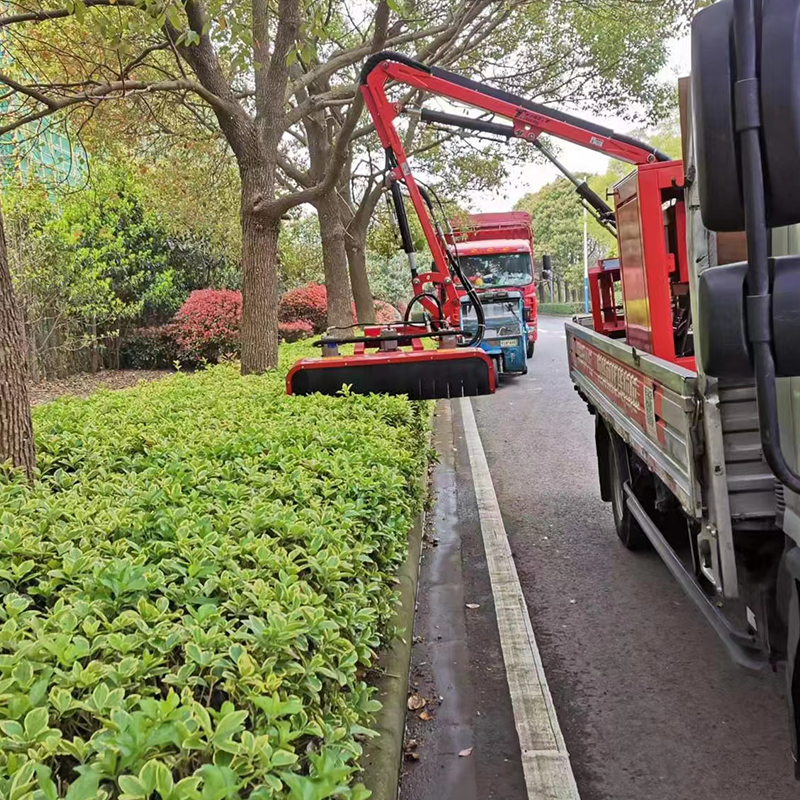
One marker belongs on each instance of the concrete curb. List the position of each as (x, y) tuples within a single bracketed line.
[(383, 755)]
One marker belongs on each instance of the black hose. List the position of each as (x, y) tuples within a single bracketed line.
[(476, 302), (417, 298), (455, 268), (759, 297)]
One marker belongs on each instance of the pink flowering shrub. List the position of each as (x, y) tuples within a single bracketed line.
[(294, 331), (207, 325), (385, 312), (308, 303)]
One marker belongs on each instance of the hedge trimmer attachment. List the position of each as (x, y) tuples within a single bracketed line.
[(379, 365), (392, 359)]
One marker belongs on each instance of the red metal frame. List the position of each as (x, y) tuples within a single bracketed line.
[(527, 124), (649, 269), (608, 318)]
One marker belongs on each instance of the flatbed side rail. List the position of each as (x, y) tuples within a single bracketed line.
[(652, 404)]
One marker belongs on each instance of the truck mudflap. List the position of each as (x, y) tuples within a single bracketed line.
[(651, 403)]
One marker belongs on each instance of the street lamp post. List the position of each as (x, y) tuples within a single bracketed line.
[(585, 264)]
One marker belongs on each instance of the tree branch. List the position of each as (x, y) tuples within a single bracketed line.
[(98, 93), (340, 149), (357, 55), (315, 102), (43, 15)]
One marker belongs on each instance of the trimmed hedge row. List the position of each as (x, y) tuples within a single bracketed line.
[(565, 309), (193, 590)]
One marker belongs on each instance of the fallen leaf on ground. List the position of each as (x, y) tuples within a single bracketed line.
[(425, 716), (415, 702), (473, 605), (465, 753)]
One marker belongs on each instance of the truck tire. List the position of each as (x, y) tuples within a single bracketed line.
[(619, 473), (529, 351)]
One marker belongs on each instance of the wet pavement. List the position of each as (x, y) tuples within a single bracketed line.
[(649, 704), (457, 665)]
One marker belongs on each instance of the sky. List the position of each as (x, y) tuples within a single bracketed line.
[(575, 158)]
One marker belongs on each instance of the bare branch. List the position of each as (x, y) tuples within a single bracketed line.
[(338, 155), (299, 176), (357, 55), (101, 92), (41, 15), (341, 95)]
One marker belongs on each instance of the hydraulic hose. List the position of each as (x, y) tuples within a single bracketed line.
[(476, 302), (455, 268), (759, 296), (417, 298)]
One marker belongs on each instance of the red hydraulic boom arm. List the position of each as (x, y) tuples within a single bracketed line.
[(529, 120), (457, 367)]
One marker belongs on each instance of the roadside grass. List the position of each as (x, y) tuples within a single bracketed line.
[(565, 309), (194, 588)]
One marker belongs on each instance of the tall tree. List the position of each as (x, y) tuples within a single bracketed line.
[(16, 430), (564, 52), (235, 58)]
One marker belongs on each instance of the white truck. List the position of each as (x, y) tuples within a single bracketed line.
[(691, 380)]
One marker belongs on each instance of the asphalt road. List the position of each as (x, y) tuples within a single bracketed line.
[(648, 701)]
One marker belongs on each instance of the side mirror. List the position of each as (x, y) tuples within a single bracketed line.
[(547, 268), (714, 86)]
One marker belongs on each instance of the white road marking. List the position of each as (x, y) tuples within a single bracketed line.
[(545, 760)]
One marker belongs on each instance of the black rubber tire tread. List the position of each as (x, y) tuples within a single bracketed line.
[(619, 471)]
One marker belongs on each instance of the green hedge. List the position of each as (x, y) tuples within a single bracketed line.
[(194, 589), (565, 309)]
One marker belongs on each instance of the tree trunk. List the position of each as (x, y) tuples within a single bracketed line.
[(334, 260), (356, 223), (356, 247), (259, 333), (16, 430)]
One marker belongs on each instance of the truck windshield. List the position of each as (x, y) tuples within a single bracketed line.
[(497, 269)]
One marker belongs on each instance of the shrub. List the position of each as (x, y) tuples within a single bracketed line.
[(294, 331), (195, 584), (385, 312), (207, 325), (149, 348), (565, 309), (309, 303)]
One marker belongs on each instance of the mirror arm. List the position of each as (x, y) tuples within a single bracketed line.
[(759, 296)]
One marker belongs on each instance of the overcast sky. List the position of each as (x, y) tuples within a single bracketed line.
[(574, 157)]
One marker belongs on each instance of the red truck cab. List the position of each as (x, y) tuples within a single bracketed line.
[(495, 251)]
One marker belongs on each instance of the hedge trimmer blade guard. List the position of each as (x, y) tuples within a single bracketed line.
[(418, 374)]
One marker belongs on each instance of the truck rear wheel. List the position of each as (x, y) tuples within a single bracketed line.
[(619, 472), (529, 351)]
